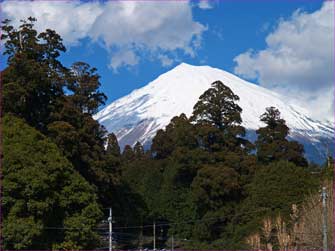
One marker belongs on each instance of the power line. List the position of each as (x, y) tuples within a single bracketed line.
[(169, 223)]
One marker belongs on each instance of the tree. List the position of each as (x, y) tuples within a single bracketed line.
[(277, 195), (178, 133), (32, 81), (218, 119), (45, 201), (113, 147), (272, 144), (84, 83), (81, 139), (113, 158), (128, 153), (214, 186), (33, 89), (277, 186), (217, 107), (216, 189), (66, 137), (138, 150)]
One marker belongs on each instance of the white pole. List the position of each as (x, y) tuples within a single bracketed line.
[(324, 225), (110, 219)]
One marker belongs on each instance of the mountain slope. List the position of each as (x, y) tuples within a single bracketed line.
[(137, 116)]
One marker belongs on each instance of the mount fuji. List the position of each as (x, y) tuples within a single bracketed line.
[(138, 116)]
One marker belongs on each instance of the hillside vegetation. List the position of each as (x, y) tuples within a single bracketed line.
[(202, 185)]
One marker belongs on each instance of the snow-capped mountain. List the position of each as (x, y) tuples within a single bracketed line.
[(137, 116)]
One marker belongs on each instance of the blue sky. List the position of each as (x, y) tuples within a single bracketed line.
[(236, 36), (238, 31)]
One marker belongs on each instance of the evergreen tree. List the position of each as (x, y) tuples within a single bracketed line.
[(33, 89), (66, 137), (162, 145), (113, 159), (45, 201), (128, 153), (32, 81), (84, 83), (217, 107), (181, 130), (218, 119), (113, 147), (272, 144), (214, 186), (216, 190), (178, 133), (279, 185), (138, 150), (81, 139)]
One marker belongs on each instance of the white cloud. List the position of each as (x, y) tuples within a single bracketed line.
[(155, 27), (71, 19), (205, 4), (123, 58), (165, 60), (125, 28), (298, 61)]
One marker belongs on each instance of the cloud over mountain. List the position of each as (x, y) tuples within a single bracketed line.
[(298, 60)]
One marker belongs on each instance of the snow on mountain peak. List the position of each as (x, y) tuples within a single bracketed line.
[(137, 116)]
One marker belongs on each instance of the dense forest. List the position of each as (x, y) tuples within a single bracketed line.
[(201, 185)]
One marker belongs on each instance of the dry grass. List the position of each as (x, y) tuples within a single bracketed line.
[(254, 241), (311, 220), (282, 234), (305, 231)]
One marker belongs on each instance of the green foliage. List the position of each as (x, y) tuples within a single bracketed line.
[(128, 154), (272, 144), (31, 82), (214, 186), (277, 186), (84, 83), (138, 150), (217, 107), (43, 191), (204, 168), (113, 147), (178, 133), (147, 184), (218, 119), (34, 85), (112, 160), (206, 159), (81, 139), (65, 136)]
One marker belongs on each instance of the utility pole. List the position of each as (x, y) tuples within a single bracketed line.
[(154, 229), (110, 221), (324, 223)]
